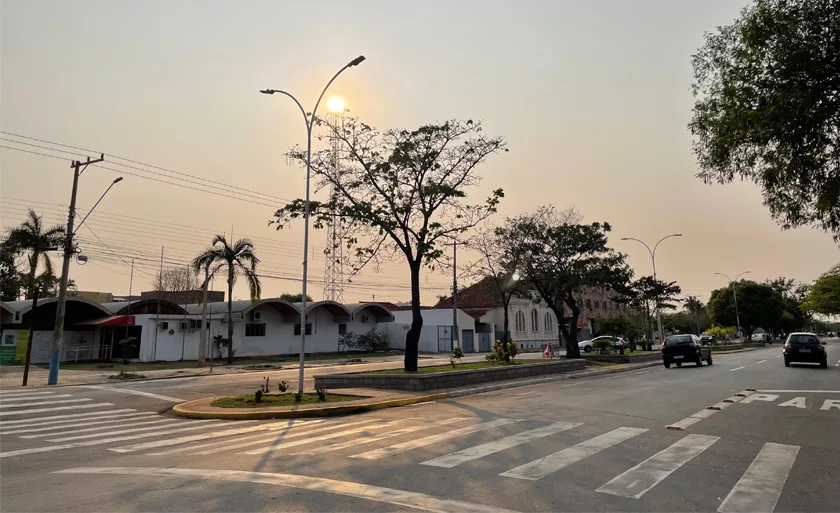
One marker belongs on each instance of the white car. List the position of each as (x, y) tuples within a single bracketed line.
[(588, 346)]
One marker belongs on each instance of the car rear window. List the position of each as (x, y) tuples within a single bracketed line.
[(804, 340), (678, 340)]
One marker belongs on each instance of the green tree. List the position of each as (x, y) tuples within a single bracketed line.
[(562, 259), (399, 193), (34, 240), (824, 297), (11, 281), (759, 306), (295, 298), (646, 295), (767, 105), (697, 311), (626, 325), (238, 259)]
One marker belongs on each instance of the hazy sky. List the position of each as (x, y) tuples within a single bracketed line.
[(592, 96)]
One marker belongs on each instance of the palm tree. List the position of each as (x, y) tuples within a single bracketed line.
[(32, 237), (694, 307), (239, 259)]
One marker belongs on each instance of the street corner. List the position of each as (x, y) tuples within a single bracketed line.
[(368, 401)]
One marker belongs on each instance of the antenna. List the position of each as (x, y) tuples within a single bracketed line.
[(334, 247)]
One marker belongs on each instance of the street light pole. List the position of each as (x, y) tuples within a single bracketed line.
[(309, 121), (653, 261), (58, 332), (734, 284)]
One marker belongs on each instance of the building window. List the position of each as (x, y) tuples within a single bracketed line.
[(342, 329), (596, 304), (589, 304), (535, 321), (255, 330), (364, 318), (547, 324), (308, 328), (520, 321)]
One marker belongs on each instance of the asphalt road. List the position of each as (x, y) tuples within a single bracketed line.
[(599, 444)]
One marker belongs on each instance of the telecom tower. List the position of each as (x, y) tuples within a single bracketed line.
[(334, 247)]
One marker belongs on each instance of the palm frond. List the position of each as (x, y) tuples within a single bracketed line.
[(254, 284)]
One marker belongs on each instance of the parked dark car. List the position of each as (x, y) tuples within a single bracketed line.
[(685, 348), (707, 339), (805, 347)]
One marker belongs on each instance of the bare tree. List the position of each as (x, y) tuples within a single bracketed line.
[(176, 279)]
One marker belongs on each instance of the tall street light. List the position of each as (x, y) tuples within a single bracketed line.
[(653, 261), (61, 308), (734, 284), (308, 120)]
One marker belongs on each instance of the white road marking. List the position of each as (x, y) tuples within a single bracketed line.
[(54, 408), (830, 403), (102, 430), (39, 402), (213, 434), (23, 397), (638, 480), (401, 498), (261, 439), (38, 421), (526, 393), (366, 439), (429, 440), (684, 423), (703, 414), (760, 486), (61, 426), (733, 399), (573, 384), (762, 361), (454, 459), (719, 406), (22, 391), (135, 392), (796, 402), (737, 368), (553, 462), (802, 391), (284, 445), (760, 397), (778, 356), (167, 421)]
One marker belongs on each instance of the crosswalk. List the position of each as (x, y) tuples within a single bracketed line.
[(416, 441)]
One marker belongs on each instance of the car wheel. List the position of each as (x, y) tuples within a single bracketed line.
[(679, 364), (787, 362), (587, 349), (709, 361), (667, 365), (824, 364)]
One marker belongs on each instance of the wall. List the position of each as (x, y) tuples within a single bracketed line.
[(428, 336), (432, 318)]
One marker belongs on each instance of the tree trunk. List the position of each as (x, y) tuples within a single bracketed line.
[(28, 357), (506, 325), (230, 316), (572, 348), (412, 338)]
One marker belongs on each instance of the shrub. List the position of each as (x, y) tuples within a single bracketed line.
[(603, 346), (512, 350), (371, 342), (282, 386), (298, 397), (258, 395), (322, 394), (221, 347), (458, 353)]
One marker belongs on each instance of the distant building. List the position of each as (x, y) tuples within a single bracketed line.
[(96, 297), (184, 297)]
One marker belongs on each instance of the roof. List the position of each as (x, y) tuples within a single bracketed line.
[(25, 305), (483, 294)]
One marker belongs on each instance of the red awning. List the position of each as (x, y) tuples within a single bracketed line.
[(116, 320)]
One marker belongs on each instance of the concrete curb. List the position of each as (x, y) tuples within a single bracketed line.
[(188, 410)]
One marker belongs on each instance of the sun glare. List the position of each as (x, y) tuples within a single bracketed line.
[(336, 104)]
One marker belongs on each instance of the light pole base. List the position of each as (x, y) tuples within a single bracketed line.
[(55, 360)]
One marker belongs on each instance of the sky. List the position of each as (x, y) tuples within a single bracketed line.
[(593, 98)]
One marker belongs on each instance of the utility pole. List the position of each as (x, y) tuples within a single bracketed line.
[(157, 315), (456, 339), (202, 341), (61, 308)]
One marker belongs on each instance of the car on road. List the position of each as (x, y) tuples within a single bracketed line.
[(685, 348), (805, 347), (588, 346), (707, 339), (762, 337)]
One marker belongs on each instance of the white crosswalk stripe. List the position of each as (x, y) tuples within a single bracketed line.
[(25, 391), (108, 430), (54, 408), (761, 485), (53, 419), (429, 440), (456, 458), (285, 445), (23, 397), (638, 480), (553, 462), (62, 425), (168, 422), (39, 402)]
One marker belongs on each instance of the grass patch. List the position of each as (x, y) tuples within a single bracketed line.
[(458, 367), (123, 375), (247, 401)]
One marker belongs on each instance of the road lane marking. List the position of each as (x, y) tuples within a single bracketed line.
[(135, 392), (366, 439), (760, 397), (213, 434), (23, 392), (830, 403), (573, 384), (762, 361), (733, 399), (401, 498), (284, 445), (54, 408), (37, 402), (760, 486), (133, 423), (23, 397), (38, 421), (719, 406), (737, 368), (260, 439), (167, 421), (684, 423), (454, 459), (638, 480), (796, 402), (803, 391), (542, 467), (429, 440), (778, 356), (61, 425)]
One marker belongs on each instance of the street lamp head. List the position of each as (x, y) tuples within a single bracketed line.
[(358, 60), (516, 276), (625, 238), (267, 91), (677, 235), (118, 180)]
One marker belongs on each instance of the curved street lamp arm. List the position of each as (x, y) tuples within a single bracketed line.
[(95, 205), (350, 64), (302, 110), (663, 238), (643, 243), (725, 276), (743, 273)]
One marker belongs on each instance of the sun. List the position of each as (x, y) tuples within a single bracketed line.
[(336, 104)]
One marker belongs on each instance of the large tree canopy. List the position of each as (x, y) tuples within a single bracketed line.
[(400, 193), (759, 306), (824, 297), (767, 108)]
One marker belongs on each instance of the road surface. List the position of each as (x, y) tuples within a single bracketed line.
[(599, 444)]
